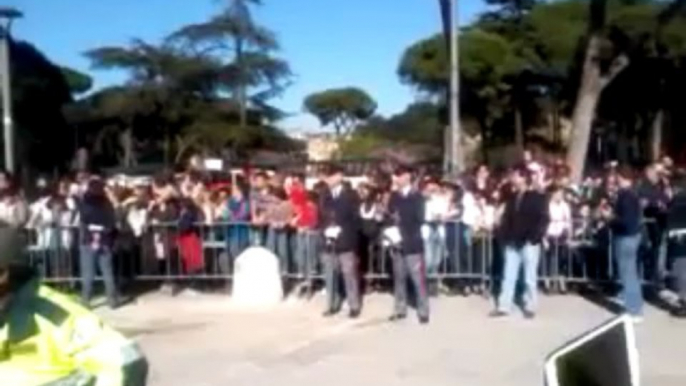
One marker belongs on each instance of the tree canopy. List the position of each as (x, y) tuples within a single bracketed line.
[(343, 108), (206, 87), (521, 67), (44, 142), (558, 75)]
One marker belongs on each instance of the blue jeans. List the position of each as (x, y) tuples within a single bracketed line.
[(258, 236), (101, 257), (526, 257), (434, 249), (306, 252), (625, 250), (467, 260), (237, 239), (277, 242)]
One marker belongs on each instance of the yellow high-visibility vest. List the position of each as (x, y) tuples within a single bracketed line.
[(48, 339)]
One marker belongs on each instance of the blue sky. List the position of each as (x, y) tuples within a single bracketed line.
[(329, 43)]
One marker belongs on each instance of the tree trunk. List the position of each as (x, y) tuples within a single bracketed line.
[(584, 110), (556, 125), (519, 130), (656, 135), (592, 85), (126, 142), (181, 147), (242, 88), (484, 140)]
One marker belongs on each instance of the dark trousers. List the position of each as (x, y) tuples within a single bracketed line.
[(335, 266), (679, 269), (654, 256), (89, 257), (412, 267)]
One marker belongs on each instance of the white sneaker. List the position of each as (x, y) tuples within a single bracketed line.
[(637, 319)]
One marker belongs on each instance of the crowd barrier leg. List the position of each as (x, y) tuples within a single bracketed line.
[(484, 258), (455, 257)]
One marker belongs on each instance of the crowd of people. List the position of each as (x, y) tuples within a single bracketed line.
[(425, 225)]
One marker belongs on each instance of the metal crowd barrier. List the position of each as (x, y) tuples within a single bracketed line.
[(455, 255)]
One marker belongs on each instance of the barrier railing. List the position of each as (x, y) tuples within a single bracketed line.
[(454, 253)]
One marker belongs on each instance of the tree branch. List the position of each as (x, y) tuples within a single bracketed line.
[(618, 65), (182, 145)]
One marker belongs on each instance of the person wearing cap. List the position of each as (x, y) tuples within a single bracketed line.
[(46, 338), (406, 208), (342, 226)]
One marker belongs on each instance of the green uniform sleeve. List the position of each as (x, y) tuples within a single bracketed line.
[(104, 353)]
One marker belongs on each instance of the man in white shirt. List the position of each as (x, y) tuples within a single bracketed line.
[(433, 231)]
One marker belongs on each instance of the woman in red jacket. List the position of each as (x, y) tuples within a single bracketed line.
[(305, 223)]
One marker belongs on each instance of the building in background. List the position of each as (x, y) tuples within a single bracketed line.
[(320, 146)]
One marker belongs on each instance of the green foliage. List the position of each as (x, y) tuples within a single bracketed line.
[(78, 82), (205, 88), (39, 91), (413, 135), (554, 31), (424, 65), (523, 57), (512, 8), (418, 124), (485, 59), (343, 108), (361, 145), (249, 71)]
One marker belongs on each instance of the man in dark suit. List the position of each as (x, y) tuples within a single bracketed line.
[(341, 230), (406, 208)]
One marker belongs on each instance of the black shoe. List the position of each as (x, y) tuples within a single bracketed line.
[(330, 312), (423, 320), (498, 314), (529, 314), (354, 314), (433, 290), (114, 304), (679, 312), (397, 317)]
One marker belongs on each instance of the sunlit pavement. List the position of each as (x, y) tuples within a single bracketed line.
[(203, 340)]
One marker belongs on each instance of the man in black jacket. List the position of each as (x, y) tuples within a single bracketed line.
[(655, 193), (522, 228), (626, 225), (341, 230), (406, 208)]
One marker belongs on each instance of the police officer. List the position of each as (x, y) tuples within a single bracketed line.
[(341, 230), (46, 338), (406, 209)]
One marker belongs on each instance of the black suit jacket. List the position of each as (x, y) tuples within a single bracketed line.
[(525, 221), (407, 214), (344, 211)]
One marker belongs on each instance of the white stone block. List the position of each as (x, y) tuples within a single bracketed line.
[(257, 279)]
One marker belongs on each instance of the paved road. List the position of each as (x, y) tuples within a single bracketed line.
[(203, 340)]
